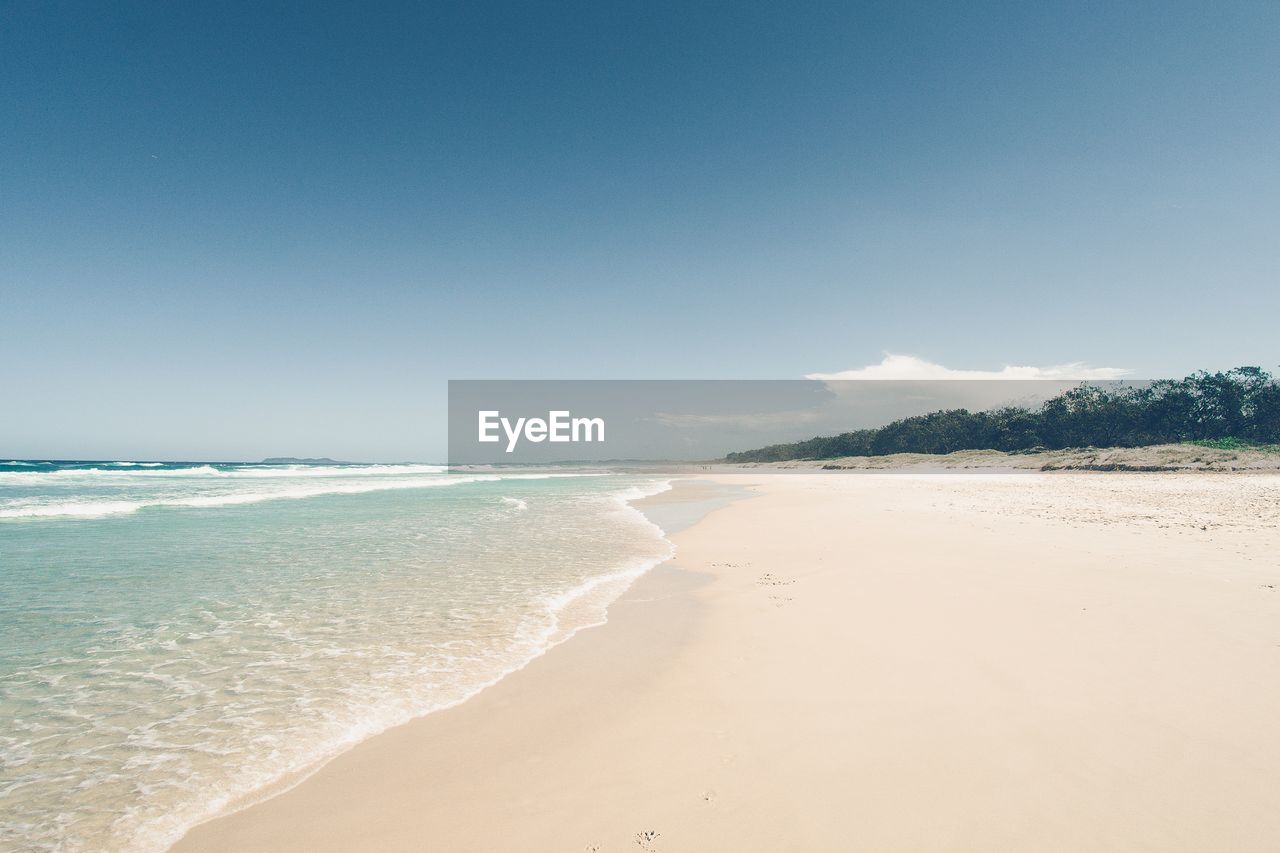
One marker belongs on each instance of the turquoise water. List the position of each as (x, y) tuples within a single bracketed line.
[(174, 637)]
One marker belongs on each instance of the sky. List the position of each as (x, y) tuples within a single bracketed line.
[(236, 230)]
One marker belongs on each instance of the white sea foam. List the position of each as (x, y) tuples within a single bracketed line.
[(288, 644), (588, 602), (272, 471), (79, 509), (603, 590), (88, 493), (239, 472), (100, 508)]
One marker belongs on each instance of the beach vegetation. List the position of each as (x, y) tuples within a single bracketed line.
[(1228, 410)]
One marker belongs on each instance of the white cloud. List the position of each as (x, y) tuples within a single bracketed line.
[(910, 367)]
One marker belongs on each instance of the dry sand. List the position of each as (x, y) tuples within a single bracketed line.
[(843, 662)]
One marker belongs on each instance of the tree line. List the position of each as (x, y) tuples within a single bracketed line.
[(1239, 405)]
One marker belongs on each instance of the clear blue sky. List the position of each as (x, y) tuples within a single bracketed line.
[(231, 230)]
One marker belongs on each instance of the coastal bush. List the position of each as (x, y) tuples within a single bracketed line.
[(1227, 410)]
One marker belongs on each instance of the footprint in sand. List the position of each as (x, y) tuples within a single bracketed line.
[(648, 840), (769, 579)]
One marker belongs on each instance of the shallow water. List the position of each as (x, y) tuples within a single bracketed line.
[(173, 637)]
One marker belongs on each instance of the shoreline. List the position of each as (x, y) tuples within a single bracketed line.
[(649, 505), (1030, 674)]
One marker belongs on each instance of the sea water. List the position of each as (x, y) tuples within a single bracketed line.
[(175, 636)]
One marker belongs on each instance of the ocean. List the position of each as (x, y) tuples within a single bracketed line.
[(176, 636)]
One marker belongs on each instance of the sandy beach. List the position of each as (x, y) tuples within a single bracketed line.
[(853, 661)]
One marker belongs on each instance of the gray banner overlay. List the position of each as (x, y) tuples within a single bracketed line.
[(597, 421)]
